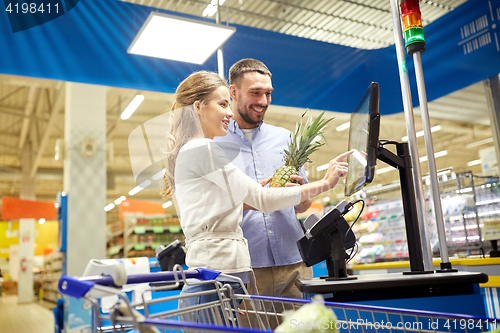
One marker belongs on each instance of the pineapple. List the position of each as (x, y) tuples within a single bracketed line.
[(301, 145)]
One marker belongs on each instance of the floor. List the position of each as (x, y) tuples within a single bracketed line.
[(36, 317)]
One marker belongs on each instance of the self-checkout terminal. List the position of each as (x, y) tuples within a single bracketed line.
[(328, 238)]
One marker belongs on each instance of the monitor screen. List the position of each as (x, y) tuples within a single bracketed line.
[(363, 140)]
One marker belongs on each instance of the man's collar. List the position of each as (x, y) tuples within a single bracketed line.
[(233, 125)]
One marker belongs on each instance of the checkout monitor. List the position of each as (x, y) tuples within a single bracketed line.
[(363, 140)]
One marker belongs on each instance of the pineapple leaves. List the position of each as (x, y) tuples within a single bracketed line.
[(302, 144)]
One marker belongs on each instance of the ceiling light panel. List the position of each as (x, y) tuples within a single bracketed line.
[(180, 39)]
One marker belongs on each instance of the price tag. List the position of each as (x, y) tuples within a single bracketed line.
[(139, 246), (158, 230), (175, 229), (139, 229)]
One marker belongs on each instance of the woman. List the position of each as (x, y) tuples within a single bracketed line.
[(209, 190)]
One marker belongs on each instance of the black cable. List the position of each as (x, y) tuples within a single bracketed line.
[(350, 227), (388, 142), (359, 215), (351, 256)]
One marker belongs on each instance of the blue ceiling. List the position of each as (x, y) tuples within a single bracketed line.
[(89, 44)]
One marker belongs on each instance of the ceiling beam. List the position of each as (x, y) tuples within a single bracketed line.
[(33, 93), (56, 106), (18, 113), (11, 93)]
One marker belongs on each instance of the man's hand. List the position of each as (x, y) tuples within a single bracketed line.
[(304, 205), (266, 181), (262, 183)]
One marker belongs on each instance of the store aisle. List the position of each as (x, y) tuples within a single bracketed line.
[(36, 317)]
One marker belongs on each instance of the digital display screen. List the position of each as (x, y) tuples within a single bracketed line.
[(361, 161)]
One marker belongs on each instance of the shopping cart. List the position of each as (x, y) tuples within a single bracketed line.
[(244, 313)]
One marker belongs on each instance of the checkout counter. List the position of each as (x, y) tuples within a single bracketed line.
[(471, 290)]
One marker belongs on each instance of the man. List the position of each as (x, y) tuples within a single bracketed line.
[(272, 237)]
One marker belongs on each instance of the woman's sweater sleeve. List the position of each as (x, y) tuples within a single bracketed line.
[(270, 199), (213, 165), (261, 198)]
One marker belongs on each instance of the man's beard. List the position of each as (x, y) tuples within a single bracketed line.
[(246, 117)]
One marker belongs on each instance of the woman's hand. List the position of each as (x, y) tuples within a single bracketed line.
[(337, 168)]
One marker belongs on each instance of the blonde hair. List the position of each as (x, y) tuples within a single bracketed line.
[(197, 87)]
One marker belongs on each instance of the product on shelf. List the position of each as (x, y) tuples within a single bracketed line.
[(50, 275), (142, 234), (468, 215)]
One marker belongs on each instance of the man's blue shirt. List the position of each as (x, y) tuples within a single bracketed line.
[(271, 237)]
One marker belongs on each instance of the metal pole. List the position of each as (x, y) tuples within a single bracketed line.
[(431, 160), (412, 138), (220, 56)]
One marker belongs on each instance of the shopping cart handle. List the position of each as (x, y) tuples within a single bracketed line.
[(78, 287), (206, 274), (74, 287)]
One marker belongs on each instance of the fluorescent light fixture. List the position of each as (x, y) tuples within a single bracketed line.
[(180, 39), (159, 174), (109, 207), (167, 204), (56, 204), (211, 9), (444, 172), (465, 190), (322, 167), (343, 126), (130, 109), (421, 133), (475, 162), (123, 198), (478, 143), (118, 201), (41, 221), (436, 155), (139, 188), (379, 187), (384, 170)]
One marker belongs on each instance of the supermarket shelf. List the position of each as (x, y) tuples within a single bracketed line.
[(114, 234), (146, 233), (115, 249), (50, 279), (52, 269)]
